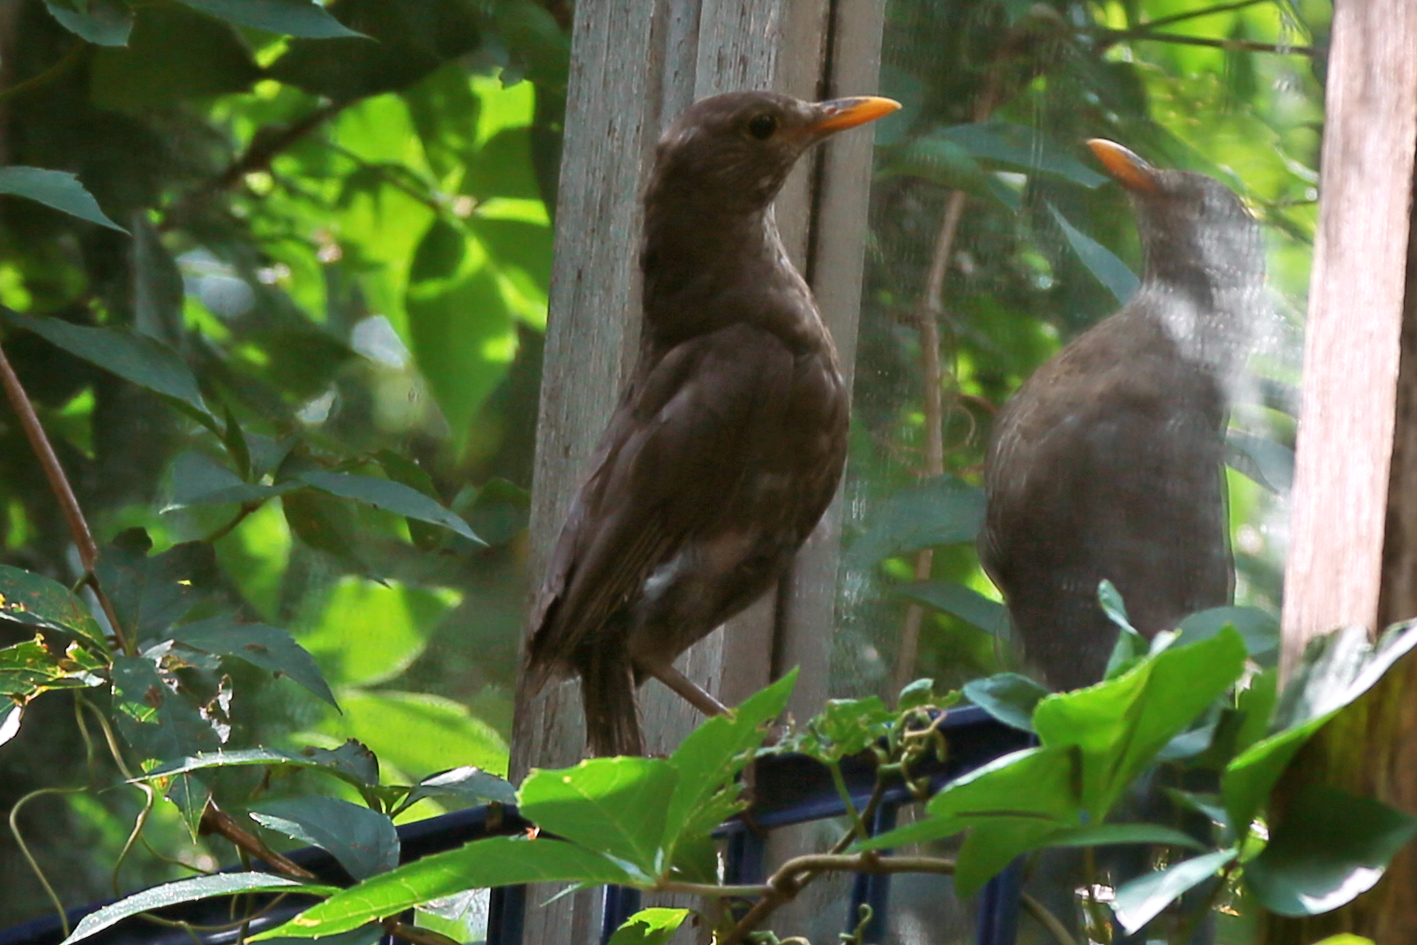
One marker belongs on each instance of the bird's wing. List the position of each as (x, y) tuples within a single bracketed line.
[(676, 447)]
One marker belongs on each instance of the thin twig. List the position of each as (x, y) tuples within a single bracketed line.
[(61, 66), (1195, 14), (218, 821), (412, 933), (1113, 37), (1048, 920)]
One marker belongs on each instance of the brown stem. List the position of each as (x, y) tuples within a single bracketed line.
[(218, 821), (797, 872), (59, 485), (61, 66), (1048, 920), (412, 933)]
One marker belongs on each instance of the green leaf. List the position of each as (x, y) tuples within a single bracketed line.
[(364, 841), (941, 511), (468, 784), (650, 927), (959, 601), (418, 732), (920, 694), (616, 806), (388, 495), (1142, 899), (36, 601), (498, 861), (1329, 848), (1257, 705), (711, 756), (992, 845), (1008, 697), (351, 762), (199, 480), (158, 722), (844, 727), (369, 633), (101, 22), (1095, 835), (326, 524), (1337, 669), (1034, 785), (187, 890), (1259, 628), (258, 644), (302, 18), (149, 595), (1023, 148), (55, 189), (1122, 723), (1099, 260), (1268, 463), (29, 668), (135, 358)]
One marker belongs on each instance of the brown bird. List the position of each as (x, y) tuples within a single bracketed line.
[(1106, 464), (730, 436)]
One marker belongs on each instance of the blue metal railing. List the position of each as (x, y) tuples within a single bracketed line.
[(788, 789)]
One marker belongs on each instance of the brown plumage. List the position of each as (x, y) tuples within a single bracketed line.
[(730, 436), (1106, 464)]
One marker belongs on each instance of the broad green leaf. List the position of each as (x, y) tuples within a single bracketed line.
[(150, 594), (258, 644), (1021, 147), (37, 601), (54, 189), (1035, 785), (1101, 834), (135, 358), (940, 511), (388, 495), (1268, 463), (1142, 899), (351, 762), (1329, 848), (368, 633), (363, 840), (417, 732), (960, 601), (291, 17), (1008, 697), (326, 524), (498, 861), (467, 784), (158, 722), (1099, 260), (1121, 724), (711, 756), (1337, 669), (187, 890), (650, 927), (615, 806), (1257, 704), (197, 480), (101, 22), (1259, 628), (174, 55)]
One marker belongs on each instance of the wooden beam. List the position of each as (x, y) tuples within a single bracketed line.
[(1352, 337)]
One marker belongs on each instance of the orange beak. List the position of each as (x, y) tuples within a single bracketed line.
[(842, 113), (1126, 168)]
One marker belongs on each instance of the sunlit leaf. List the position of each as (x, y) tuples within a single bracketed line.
[(1143, 899), (467, 784), (650, 927), (186, 890)]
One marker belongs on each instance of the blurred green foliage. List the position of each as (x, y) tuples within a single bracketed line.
[(327, 244)]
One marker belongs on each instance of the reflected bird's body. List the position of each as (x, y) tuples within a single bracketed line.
[(730, 437), (1107, 463)]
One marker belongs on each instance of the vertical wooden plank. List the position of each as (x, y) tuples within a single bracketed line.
[(1355, 497), (1355, 315)]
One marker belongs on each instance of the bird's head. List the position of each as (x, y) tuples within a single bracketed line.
[(734, 151), (1195, 233)]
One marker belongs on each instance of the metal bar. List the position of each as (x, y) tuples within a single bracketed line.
[(999, 905), (506, 915), (619, 904)]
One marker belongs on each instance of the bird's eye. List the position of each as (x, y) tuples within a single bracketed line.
[(762, 126)]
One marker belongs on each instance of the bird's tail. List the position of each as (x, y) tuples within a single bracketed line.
[(608, 691)]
